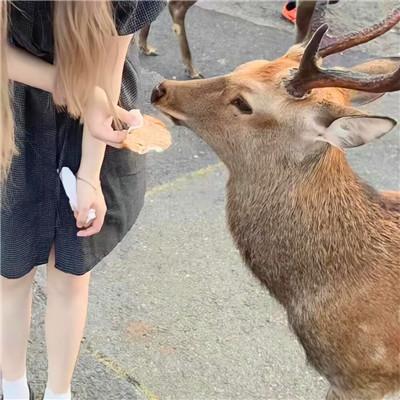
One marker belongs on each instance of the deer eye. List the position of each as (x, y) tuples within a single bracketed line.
[(242, 105)]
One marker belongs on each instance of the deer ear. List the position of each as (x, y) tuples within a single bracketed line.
[(354, 131)]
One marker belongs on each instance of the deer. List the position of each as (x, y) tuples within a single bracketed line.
[(323, 242), (177, 10)]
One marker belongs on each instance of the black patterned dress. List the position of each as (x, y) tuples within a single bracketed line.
[(35, 213)]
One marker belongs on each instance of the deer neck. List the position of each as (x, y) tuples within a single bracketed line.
[(299, 231)]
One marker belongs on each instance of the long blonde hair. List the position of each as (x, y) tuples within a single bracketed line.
[(81, 30), (7, 144)]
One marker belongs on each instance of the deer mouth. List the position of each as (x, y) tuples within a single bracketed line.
[(176, 121), (175, 118)]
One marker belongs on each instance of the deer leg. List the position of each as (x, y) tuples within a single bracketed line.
[(143, 45), (305, 10), (178, 10)]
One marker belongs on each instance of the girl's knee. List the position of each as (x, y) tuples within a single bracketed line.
[(17, 285), (62, 284)]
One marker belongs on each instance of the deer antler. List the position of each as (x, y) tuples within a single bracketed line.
[(309, 75), (338, 44), (311, 15)]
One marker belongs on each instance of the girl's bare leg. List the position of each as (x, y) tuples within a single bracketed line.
[(15, 321), (67, 299)]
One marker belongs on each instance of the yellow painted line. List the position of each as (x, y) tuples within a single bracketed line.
[(182, 180), (120, 372)]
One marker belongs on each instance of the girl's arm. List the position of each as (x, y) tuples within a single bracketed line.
[(30, 70), (25, 68), (118, 49)]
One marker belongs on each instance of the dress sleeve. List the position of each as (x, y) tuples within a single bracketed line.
[(131, 16)]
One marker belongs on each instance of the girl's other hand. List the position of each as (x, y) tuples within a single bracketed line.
[(99, 119), (90, 196)]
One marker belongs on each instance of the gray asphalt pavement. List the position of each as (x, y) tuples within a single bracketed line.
[(174, 313)]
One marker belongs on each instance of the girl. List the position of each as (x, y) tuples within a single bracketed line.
[(71, 54)]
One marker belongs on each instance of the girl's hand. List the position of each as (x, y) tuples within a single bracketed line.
[(98, 118), (89, 196)]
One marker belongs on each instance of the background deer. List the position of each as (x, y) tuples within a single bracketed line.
[(324, 243), (178, 10)]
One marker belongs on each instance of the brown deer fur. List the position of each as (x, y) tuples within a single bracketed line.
[(325, 244)]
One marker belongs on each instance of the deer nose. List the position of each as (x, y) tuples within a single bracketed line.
[(158, 92)]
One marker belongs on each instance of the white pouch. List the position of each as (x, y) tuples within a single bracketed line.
[(68, 180)]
